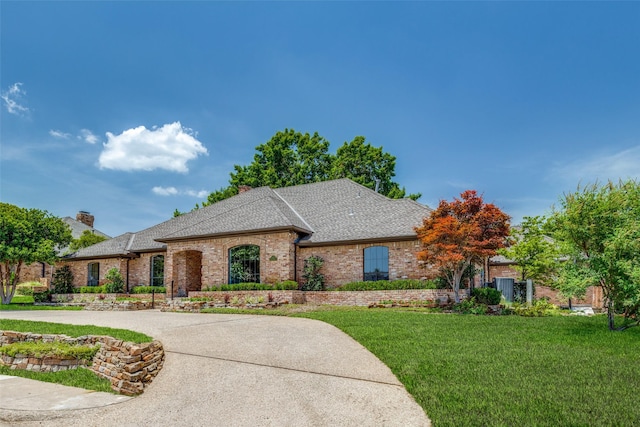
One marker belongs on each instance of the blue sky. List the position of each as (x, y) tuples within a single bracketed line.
[(130, 110)]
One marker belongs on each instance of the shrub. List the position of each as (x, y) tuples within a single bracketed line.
[(63, 280), (148, 289), (470, 306), (311, 273), (44, 296), (539, 308), (114, 282), (488, 296), (24, 289), (287, 285), (388, 285)]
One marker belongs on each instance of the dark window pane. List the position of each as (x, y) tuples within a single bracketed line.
[(157, 270), (244, 264), (376, 263), (93, 274)]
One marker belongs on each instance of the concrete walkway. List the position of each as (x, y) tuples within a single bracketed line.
[(227, 370)]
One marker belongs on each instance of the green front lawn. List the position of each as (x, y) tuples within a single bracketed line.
[(505, 370)]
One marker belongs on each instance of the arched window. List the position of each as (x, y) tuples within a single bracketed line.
[(93, 274), (244, 264), (376, 263), (157, 270)]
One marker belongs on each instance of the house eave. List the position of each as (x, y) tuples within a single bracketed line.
[(308, 244), (231, 234)]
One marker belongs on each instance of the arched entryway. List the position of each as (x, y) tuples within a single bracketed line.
[(187, 276)]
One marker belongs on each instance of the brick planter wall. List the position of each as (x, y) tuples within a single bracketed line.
[(128, 366)]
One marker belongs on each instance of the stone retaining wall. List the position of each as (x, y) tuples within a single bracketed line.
[(344, 298), (128, 366), (41, 364), (366, 298)]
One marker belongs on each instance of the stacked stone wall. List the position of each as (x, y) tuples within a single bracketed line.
[(128, 366)]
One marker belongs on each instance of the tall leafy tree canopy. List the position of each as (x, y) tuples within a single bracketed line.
[(598, 228), (27, 236), (86, 239), (294, 158), (535, 254), (462, 233)]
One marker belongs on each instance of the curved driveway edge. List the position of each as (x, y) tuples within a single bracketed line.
[(243, 370)]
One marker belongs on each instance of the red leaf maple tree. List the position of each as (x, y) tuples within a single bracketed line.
[(462, 233)]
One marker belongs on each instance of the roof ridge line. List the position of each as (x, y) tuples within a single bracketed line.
[(130, 242), (294, 211)]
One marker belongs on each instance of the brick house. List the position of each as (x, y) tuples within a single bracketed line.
[(43, 272), (265, 235)]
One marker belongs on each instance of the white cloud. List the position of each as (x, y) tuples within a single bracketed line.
[(59, 134), (199, 194), (169, 147), (88, 136), (602, 167), (165, 191), (12, 98), (172, 191)]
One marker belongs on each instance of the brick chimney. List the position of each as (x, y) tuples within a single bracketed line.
[(243, 188), (85, 218)]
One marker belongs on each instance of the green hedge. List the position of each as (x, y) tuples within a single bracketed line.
[(287, 285), (487, 296), (388, 285), (148, 289), (90, 290)]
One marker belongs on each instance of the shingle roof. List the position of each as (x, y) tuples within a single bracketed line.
[(323, 212), (342, 210)]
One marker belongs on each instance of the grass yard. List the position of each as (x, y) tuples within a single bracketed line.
[(71, 330), (82, 378), (505, 370)]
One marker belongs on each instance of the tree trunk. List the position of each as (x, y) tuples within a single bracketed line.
[(610, 313)]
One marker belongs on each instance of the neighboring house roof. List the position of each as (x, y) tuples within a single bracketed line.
[(325, 212), (77, 228)]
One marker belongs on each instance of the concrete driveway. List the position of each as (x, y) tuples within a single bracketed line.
[(238, 370)]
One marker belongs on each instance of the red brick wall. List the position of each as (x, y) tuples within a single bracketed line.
[(80, 269), (276, 257), (345, 263), (33, 273), (140, 270)]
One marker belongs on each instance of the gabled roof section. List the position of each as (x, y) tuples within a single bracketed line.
[(255, 210), (342, 210), (325, 212), (108, 248)]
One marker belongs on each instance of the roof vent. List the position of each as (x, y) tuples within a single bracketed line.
[(351, 213)]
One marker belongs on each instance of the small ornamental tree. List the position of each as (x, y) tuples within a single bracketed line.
[(462, 233), (63, 280), (27, 236), (114, 283), (535, 255), (598, 228), (314, 280)]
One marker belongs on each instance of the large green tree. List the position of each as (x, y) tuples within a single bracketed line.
[(368, 165), (27, 236), (535, 254), (294, 158), (598, 228)]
